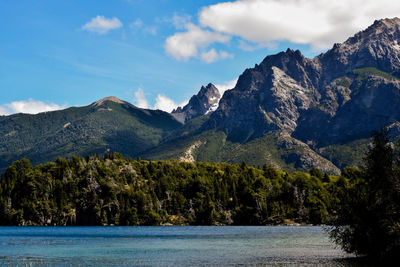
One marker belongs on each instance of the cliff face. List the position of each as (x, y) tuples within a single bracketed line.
[(340, 95), (269, 97)]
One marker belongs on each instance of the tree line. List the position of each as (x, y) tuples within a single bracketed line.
[(361, 205), (112, 190)]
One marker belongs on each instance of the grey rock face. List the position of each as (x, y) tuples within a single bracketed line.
[(378, 46), (374, 104), (340, 95), (204, 102), (308, 158), (269, 97)]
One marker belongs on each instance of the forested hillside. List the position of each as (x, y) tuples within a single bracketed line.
[(119, 191), (109, 124)]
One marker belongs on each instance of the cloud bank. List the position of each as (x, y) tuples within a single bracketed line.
[(102, 25), (29, 106), (318, 23)]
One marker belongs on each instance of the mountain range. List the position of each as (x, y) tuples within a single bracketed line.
[(288, 112)]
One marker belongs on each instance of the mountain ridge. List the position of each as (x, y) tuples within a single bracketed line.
[(264, 90), (107, 124), (332, 100), (289, 111)]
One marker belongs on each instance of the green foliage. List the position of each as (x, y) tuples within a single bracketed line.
[(368, 222), (343, 81), (217, 148), (364, 73), (82, 131), (112, 190), (346, 154)]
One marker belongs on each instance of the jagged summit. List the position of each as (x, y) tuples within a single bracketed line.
[(377, 46), (300, 96), (210, 89), (378, 28), (385, 23), (384, 32), (204, 102)]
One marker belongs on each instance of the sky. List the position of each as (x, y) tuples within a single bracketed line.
[(156, 54)]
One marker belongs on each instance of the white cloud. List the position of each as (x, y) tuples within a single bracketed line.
[(164, 103), (184, 45), (140, 99), (224, 55), (226, 86), (4, 111), (184, 103), (151, 30), (180, 22), (29, 106), (138, 24), (209, 56), (212, 55), (319, 23), (246, 46), (102, 25)]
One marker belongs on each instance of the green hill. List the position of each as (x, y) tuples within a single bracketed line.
[(279, 151), (106, 125)]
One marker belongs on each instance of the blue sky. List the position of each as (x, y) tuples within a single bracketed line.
[(58, 54)]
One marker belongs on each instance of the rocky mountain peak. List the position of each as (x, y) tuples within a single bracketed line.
[(377, 46), (384, 32), (386, 23), (204, 102), (282, 60), (291, 93), (210, 93)]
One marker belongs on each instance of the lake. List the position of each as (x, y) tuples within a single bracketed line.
[(168, 246)]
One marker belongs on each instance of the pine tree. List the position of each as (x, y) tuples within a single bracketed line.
[(369, 220)]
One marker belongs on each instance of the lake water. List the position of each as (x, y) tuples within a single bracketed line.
[(168, 246)]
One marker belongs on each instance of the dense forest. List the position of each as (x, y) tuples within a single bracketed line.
[(112, 190), (361, 205)]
